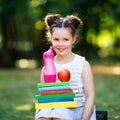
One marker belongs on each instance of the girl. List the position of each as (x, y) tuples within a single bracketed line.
[(62, 34)]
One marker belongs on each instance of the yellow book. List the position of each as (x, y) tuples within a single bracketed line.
[(69, 104)]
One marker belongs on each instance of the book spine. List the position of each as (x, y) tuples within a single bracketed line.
[(56, 92), (59, 88), (59, 100), (55, 100), (52, 84), (54, 88), (70, 104), (54, 96)]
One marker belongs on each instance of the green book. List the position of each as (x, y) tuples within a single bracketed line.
[(52, 84), (54, 96)]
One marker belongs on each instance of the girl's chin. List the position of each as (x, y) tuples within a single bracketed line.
[(61, 54)]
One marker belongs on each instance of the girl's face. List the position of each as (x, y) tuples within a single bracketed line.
[(62, 41)]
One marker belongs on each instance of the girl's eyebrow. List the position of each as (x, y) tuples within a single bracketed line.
[(55, 38)]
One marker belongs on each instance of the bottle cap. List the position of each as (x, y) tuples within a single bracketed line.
[(49, 52)]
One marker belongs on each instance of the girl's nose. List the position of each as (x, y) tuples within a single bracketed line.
[(60, 42)]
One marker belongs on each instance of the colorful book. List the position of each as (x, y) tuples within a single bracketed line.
[(55, 100), (56, 92), (54, 96), (59, 100), (69, 104), (54, 88), (39, 85), (66, 87)]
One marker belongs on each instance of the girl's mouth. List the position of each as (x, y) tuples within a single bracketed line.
[(61, 49)]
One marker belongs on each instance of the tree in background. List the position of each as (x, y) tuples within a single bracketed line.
[(22, 31)]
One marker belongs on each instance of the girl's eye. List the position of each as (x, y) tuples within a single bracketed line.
[(56, 39), (66, 39)]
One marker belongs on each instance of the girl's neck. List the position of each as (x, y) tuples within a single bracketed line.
[(64, 59)]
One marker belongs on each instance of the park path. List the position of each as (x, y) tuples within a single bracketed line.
[(103, 69)]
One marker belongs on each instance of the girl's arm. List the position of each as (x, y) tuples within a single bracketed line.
[(89, 90), (41, 77)]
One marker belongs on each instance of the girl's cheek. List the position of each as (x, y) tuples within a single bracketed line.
[(54, 46)]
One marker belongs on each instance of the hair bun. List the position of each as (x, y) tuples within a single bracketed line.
[(51, 19), (75, 21)]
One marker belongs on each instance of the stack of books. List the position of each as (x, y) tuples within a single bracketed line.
[(58, 95)]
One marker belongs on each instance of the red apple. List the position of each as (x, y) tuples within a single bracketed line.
[(64, 75)]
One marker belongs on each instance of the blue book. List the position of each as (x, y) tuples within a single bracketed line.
[(55, 100), (54, 88)]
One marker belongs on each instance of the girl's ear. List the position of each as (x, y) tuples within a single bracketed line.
[(50, 38), (74, 39)]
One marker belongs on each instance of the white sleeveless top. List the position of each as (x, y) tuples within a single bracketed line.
[(75, 67)]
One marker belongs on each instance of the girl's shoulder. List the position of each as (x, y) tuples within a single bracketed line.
[(80, 58), (83, 60)]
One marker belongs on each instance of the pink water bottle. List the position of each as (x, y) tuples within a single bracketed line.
[(49, 71)]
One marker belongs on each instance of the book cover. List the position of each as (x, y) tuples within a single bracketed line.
[(55, 100), (39, 85), (54, 88), (59, 100), (56, 92), (54, 96), (70, 104)]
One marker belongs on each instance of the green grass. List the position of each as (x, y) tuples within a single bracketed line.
[(107, 89), (18, 87), (17, 90)]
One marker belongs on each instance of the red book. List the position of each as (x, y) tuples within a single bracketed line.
[(56, 92)]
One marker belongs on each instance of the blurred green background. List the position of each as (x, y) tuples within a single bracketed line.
[(23, 34), (23, 40)]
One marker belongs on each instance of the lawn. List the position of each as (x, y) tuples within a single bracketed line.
[(108, 95), (18, 87), (17, 90)]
